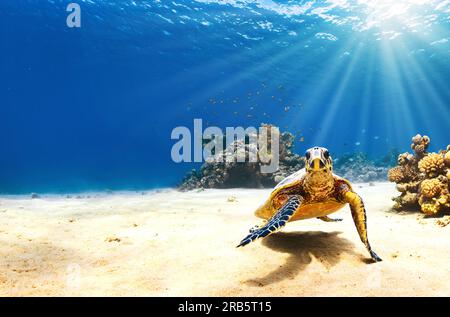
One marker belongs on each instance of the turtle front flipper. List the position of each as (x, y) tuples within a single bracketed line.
[(256, 227), (278, 221), (359, 217)]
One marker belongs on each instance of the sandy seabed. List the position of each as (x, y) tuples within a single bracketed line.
[(167, 243)]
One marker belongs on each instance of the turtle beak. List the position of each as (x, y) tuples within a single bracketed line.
[(316, 162)]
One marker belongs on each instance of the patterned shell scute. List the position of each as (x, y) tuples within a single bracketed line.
[(290, 180)]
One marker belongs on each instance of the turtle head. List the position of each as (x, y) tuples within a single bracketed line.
[(318, 159)]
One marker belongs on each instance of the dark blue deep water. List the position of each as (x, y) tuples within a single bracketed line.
[(93, 107)]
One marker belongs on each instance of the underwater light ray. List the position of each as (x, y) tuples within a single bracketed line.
[(432, 89), (212, 66), (251, 70), (324, 136), (234, 56), (367, 101), (326, 82), (203, 94), (400, 116), (428, 97), (424, 116), (243, 72)]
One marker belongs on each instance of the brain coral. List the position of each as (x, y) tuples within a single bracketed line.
[(432, 164), (429, 208), (431, 187)]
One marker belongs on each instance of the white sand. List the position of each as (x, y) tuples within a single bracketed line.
[(183, 244)]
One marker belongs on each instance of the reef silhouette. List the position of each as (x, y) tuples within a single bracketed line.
[(356, 167), (245, 174)]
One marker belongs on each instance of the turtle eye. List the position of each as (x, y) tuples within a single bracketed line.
[(326, 154), (307, 155)]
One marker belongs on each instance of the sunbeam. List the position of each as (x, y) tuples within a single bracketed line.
[(328, 114)]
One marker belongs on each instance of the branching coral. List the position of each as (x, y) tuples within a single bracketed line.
[(420, 144), (423, 178), (396, 174)]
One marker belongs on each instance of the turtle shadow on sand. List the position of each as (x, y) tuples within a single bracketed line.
[(326, 247)]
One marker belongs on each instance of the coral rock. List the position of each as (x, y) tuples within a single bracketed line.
[(420, 144), (396, 174), (447, 158), (232, 167), (432, 164), (409, 199), (422, 179), (358, 168), (429, 209), (434, 195), (404, 159), (431, 187)]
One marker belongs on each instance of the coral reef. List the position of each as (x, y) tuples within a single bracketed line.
[(422, 178), (358, 168), (420, 144), (432, 165), (447, 156), (232, 174), (396, 175)]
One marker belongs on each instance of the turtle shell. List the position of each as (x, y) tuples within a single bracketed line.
[(307, 210)]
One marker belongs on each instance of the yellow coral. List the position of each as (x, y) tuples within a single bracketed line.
[(422, 178), (431, 187), (432, 164), (404, 158), (396, 174), (433, 206), (429, 208), (409, 199), (419, 148), (420, 144), (401, 187), (443, 199), (447, 158)]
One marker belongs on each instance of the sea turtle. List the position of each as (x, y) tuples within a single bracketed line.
[(312, 192)]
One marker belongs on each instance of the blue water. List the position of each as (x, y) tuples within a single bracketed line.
[(93, 107)]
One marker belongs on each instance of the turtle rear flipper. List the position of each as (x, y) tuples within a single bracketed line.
[(278, 221), (328, 219)]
